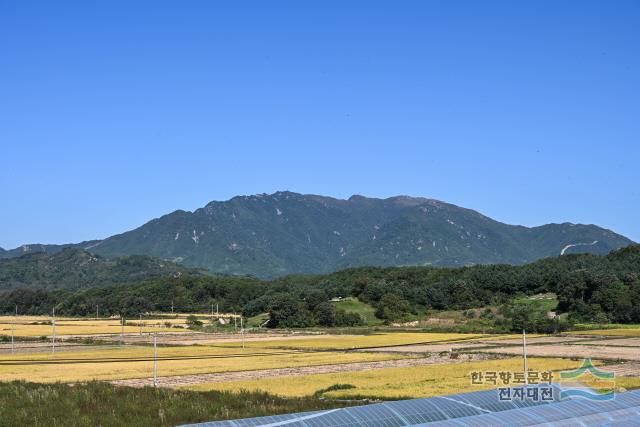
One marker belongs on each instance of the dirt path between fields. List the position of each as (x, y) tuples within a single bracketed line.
[(577, 351), (40, 347), (186, 380), (197, 338)]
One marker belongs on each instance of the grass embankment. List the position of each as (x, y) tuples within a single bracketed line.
[(100, 404), (393, 383)]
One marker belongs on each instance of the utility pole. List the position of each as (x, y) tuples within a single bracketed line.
[(242, 331), (171, 306), (524, 355), (13, 329), (140, 324), (217, 313), (155, 361), (121, 330), (235, 322), (53, 335), (97, 311)]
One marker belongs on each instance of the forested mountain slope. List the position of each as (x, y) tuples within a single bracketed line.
[(288, 233)]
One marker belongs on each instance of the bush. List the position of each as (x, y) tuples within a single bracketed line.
[(193, 322)]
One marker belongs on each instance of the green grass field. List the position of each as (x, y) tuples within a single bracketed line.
[(257, 321), (547, 302), (101, 404), (353, 305)]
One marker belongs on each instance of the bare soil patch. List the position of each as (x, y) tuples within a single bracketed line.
[(426, 348), (534, 340), (622, 342), (629, 369)]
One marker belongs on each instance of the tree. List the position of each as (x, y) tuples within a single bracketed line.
[(314, 297), (464, 297), (393, 307), (522, 315), (287, 312), (344, 318), (257, 306), (324, 314)]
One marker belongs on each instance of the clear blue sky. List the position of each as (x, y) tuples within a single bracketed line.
[(115, 113)]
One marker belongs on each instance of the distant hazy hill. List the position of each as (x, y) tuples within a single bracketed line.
[(37, 248), (282, 233), (73, 268)]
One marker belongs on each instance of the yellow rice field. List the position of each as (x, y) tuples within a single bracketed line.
[(24, 319), (36, 326), (92, 365), (78, 328), (343, 342), (393, 383)]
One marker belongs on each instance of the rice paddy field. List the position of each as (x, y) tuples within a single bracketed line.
[(371, 364), (39, 326), (125, 362), (63, 328), (393, 383)]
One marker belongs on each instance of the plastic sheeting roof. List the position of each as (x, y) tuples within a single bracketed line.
[(483, 408)]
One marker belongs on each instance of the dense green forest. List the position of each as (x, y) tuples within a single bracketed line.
[(74, 268), (589, 288)]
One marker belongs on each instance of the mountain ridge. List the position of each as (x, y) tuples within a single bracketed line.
[(269, 235)]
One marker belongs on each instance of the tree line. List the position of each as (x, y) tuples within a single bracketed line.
[(591, 288)]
